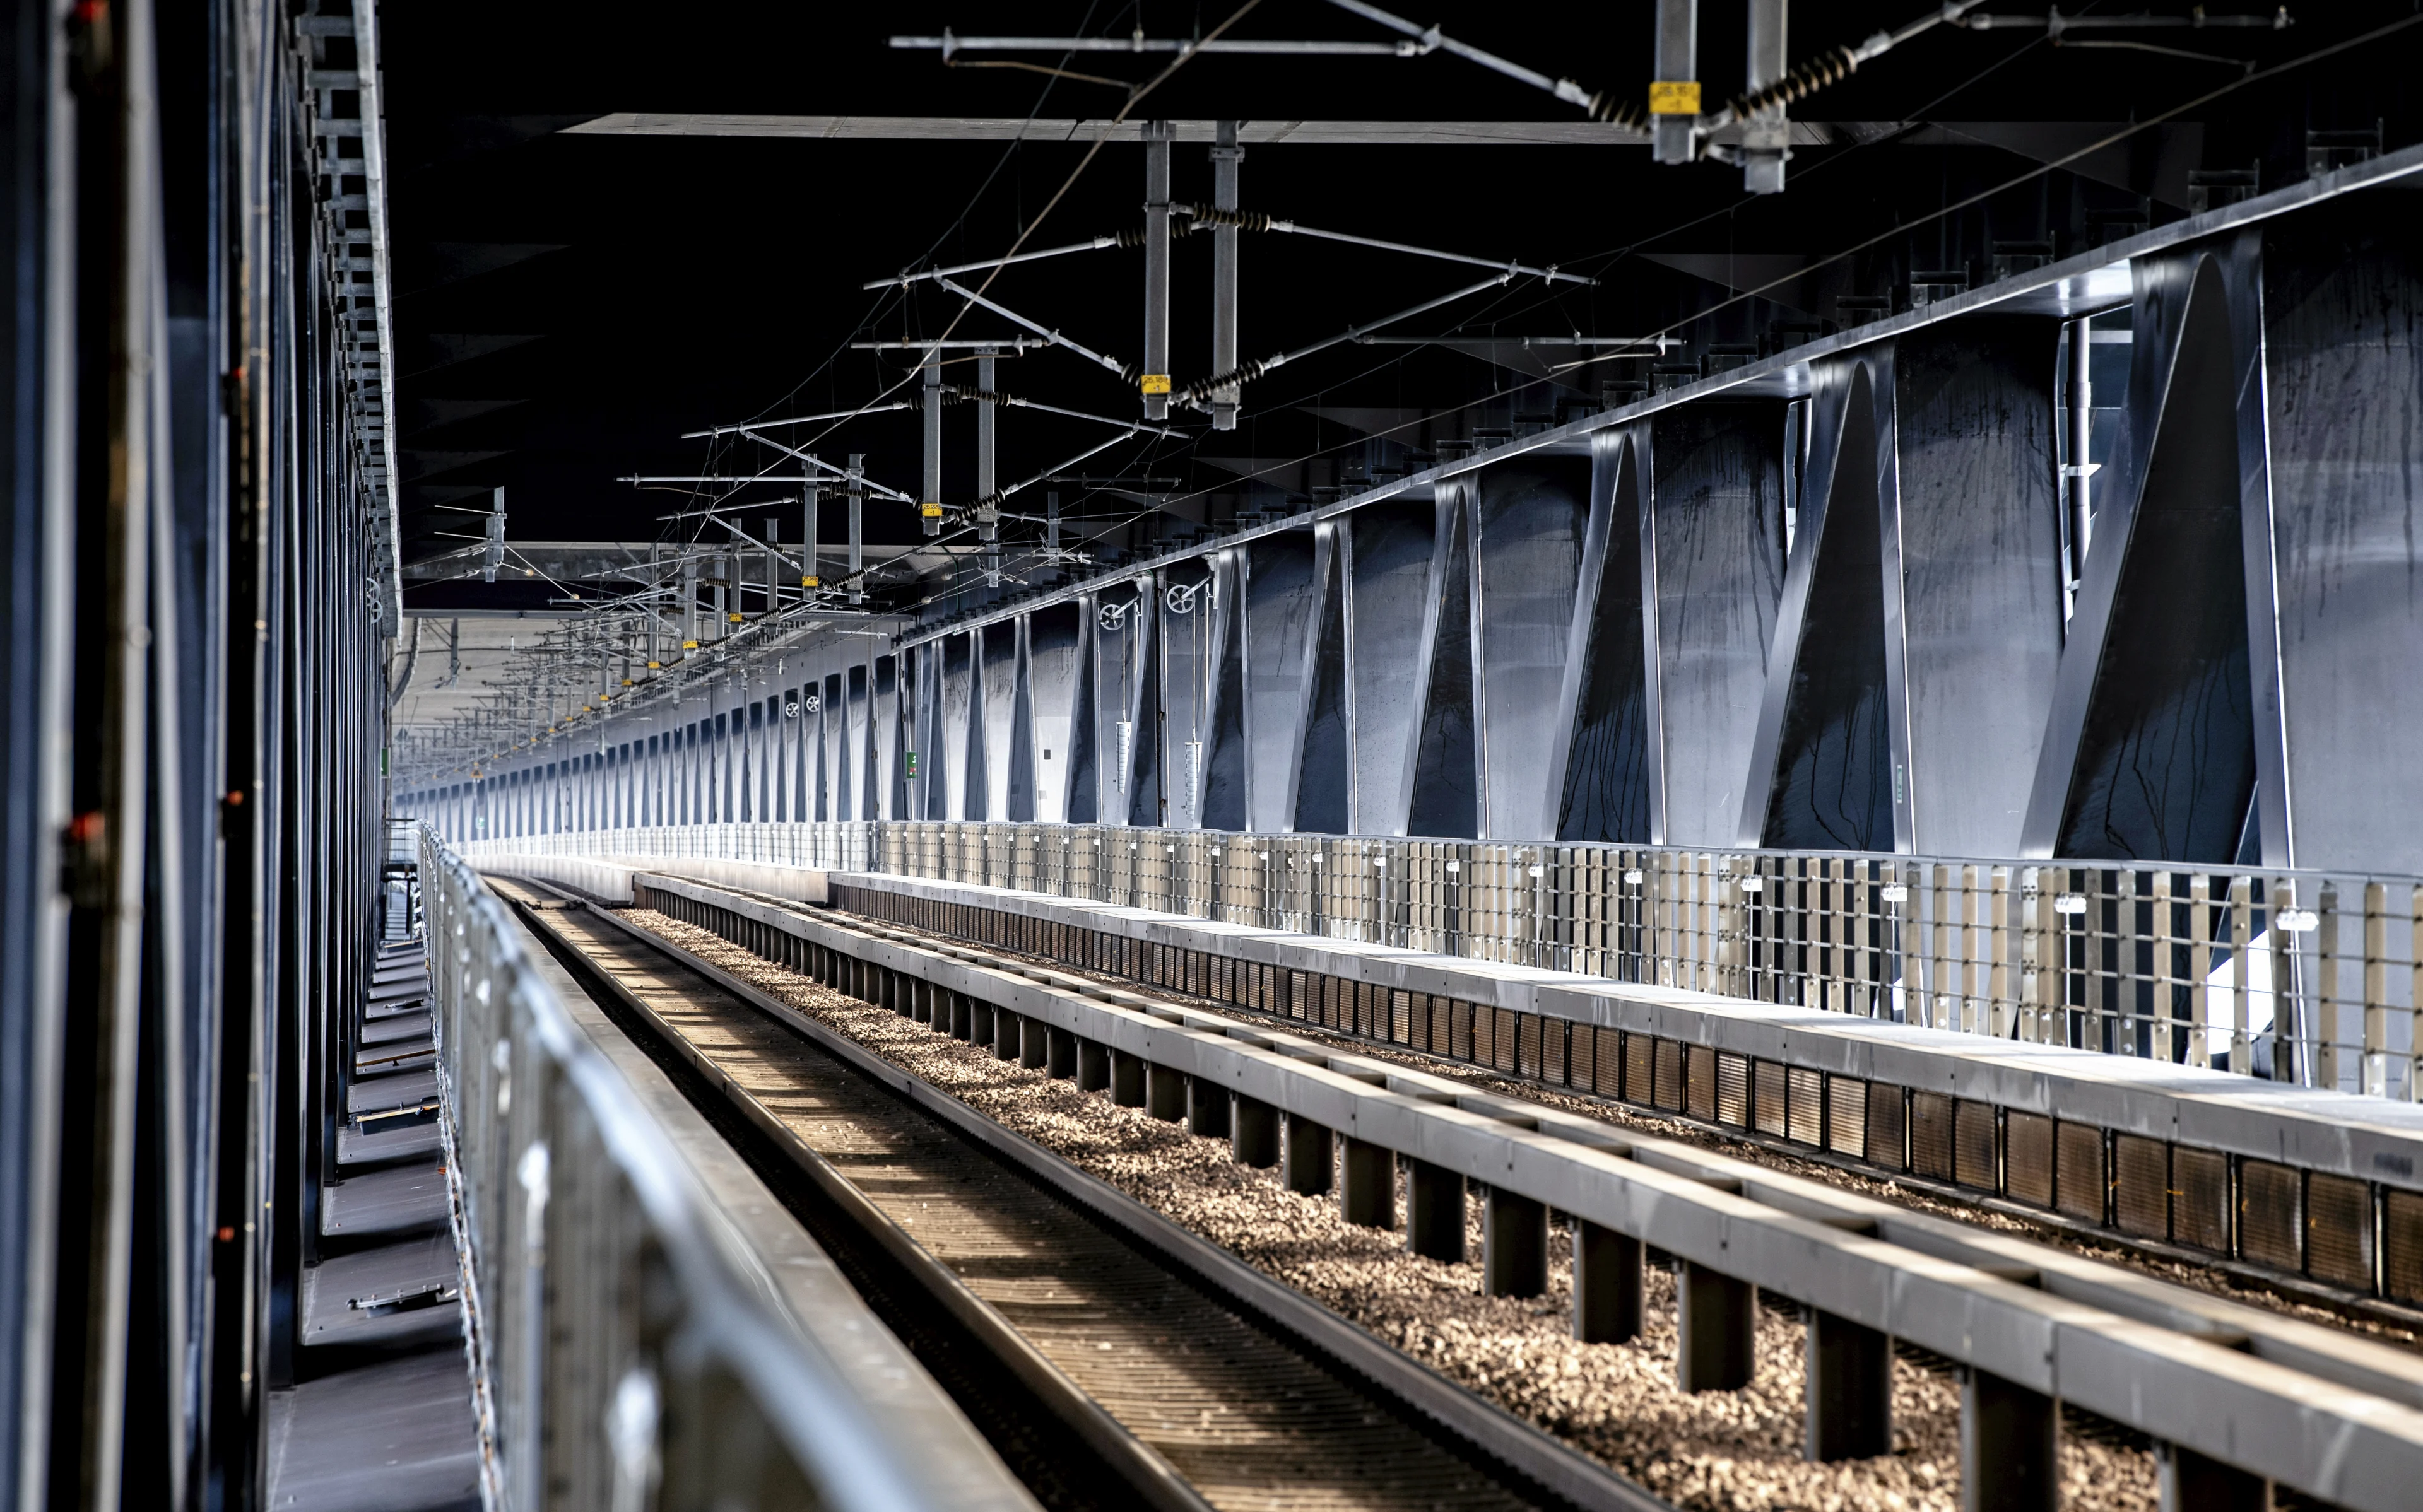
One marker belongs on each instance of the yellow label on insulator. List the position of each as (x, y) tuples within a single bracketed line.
[(734, 617), (1156, 383), (809, 581), (689, 645), (627, 683), (931, 512), (655, 666), (1675, 97)]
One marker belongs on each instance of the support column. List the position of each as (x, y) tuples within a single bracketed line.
[(1312, 1158), (1225, 156), (1718, 1350), (1093, 1065), (2010, 1447), (1606, 1284), (1434, 1216), (1064, 1053), (1369, 1197), (1127, 1079), (1514, 1245), (1256, 1137), (1035, 1041), (1166, 1092), (962, 1014), (1850, 1389), (2189, 1482), (1157, 135), (1207, 1108), (1005, 1030), (1678, 52), (929, 493), (979, 1022)]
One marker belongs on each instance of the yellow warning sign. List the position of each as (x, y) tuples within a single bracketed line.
[(931, 512), (809, 581), (1156, 383), (1675, 97)]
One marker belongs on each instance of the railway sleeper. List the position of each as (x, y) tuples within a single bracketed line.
[(2010, 1431)]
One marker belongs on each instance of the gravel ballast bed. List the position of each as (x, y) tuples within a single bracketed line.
[(1706, 1451)]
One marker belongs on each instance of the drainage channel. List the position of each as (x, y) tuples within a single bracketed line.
[(1161, 1390)]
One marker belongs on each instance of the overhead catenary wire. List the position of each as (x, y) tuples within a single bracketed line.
[(1246, 220), (1200, 391)]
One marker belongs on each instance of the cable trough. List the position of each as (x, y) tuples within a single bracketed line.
[(2229, 1395), (1194, 1382)]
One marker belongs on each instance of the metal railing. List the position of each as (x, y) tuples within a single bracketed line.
[(625, 1352), (2295, 976)]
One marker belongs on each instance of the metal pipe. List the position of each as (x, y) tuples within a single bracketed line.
[(948, 45), (1678, 63), (2081, 470), (1431, 37), (986, 530), (858, 525), (1016, 318), (1155, 379), (1766, 135), (809, 498), (1225, 156), (902, 280), (1220, 219), (797, 420), (929, 496)]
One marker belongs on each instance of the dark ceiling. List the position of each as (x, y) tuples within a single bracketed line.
[(568, 305)]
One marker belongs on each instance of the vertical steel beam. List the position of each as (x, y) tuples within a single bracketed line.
[(1606, 1284), (1766, 136), (1850, 1389), (857, 499), (812, 494), (1678, 62), (1717, 1347), (1157, 136), (1225, 156), (929, 492), (2079, 473)]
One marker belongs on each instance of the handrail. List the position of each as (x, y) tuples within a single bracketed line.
[(602, 1284)]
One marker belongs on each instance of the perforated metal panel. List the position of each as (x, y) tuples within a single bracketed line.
[(1887, 1126), (1484, 1036), (1769, 1108), (2081, 1186), (2027, 1156), (1505, 1040), (2141, 1186), (2271, 1215), (2200, 1198), (2339, 1231), (1549, 1036), (1640, 1077), (1975, 1155), (2401, 1245), (1846, 1117), (1733, 1090), (1930, 1135), (1459, 1029), (1699, 1082), (1805, 1090), (1670, 1074)]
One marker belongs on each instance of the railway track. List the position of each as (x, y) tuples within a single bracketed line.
[(1161, 1386)]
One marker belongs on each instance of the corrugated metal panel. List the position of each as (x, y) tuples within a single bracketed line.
[(2141, 1186), (2339, 1231), (1485, 1035), (1459, 1028), (1550, 1034), (1769, 1108), (1670, 1074), (1887, 1126), (2401, 1245), (2027, 1158), (1699, 1082), (2080, 1184), (1930, 1135), (1400, 1017), (1974, 1141), (2271, 1215), (1638, 1076), (2200, 1198), (1505, 1039), (1846, 1117), (1733, 1090), (1806, 1088)]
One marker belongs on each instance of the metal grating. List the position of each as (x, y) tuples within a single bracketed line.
[(1699, 1082), (1767, 1103), (1975, 1155), (2339, 1231), (1846, 1117), (2401, 1245), (1459, 1027), (1485, 1035), (1733, 1090), (1639, 1052), (2200, 1198), (1611, 1063), (2141, 1186), (1930, 1135), (1549, 1034), (1670, 1074), (2080, 1187), (1887, 1126), (2027, 1158), (2271, 1215), (1518, 1043), (1806, 1088)]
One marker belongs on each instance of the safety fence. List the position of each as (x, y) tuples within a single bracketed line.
[(626, 1352), (2295, 976)]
